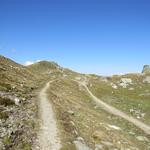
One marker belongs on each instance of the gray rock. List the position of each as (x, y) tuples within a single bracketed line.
[(80, 139), (146, 69), (17, 101), (109, 144), (147, 79), (114, 86), (98, 147), (81, 146), (125, 82), (72, 123), (71, 112), (131, 89)]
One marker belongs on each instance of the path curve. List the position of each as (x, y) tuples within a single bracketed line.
[(48, 135), (114, 111)]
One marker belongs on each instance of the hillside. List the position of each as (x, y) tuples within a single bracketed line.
[(14, 76), (77, 113), (17, 107), (81, 123), (130, 93), (46, 69)]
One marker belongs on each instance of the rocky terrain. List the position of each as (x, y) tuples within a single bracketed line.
[(17, 107), (81, 123)]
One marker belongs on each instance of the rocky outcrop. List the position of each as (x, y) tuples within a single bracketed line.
[(146, 69), (125, 82)]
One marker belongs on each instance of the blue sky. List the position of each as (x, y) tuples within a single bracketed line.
[(92, 36)]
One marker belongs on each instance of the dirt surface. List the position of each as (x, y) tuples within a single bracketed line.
[(114, 111), (48, 135)]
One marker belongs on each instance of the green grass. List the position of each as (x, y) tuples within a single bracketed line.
[(3, 115), (123, 99), (7, 141)]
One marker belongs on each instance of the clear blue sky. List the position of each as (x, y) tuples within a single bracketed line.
[(92, 36)]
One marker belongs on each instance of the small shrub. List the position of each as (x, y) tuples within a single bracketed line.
[(3, 115), (26, 146), (7, 141), (6, 101), (5, 86)]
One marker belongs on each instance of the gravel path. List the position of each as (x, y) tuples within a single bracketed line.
[(48, 134)]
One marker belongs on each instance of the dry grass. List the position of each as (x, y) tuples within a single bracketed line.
[(88, 122)]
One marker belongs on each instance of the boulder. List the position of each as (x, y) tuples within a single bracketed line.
[(125, 82), (146, 69)]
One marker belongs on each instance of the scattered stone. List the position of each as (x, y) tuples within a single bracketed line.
[(131, 133), (142, 138), (72, 123), (71, 112), (23, 99), (137, 113), (17, 101), (80, 139), (147, 79), (75, 132), (114, 127), (114, 86), (131, 89), (98, 147), (138, 117), (125, 82), (109, 144), (81, 146), (13, 87)]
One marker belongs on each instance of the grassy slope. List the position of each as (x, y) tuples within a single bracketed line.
[(123, 98), (18, 120), (87, 120), (14, 76)]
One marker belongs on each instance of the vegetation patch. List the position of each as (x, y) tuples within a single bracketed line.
[(6, 101)]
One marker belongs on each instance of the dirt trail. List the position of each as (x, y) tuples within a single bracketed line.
[(114, 111), (48, 134)]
